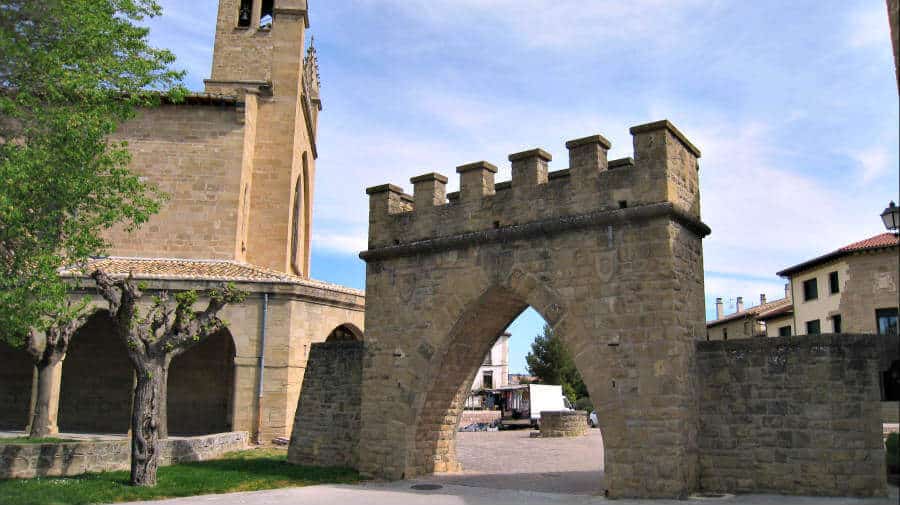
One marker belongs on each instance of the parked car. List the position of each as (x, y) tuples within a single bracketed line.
[(592, 420)]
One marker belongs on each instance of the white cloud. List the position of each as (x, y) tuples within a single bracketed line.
[(562, 24), (350, 242), (869, 26), (873, 162)]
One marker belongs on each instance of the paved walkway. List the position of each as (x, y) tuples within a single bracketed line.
[(514, 460), (399, 493)]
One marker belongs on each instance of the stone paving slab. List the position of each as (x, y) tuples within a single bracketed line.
[(399, 493), (515, 460)]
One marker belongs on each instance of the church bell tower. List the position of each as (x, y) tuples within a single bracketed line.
[(260, 56)]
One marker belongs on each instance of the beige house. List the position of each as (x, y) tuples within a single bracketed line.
[(850, 290), (238, 161), (745, 323), (494, 371)]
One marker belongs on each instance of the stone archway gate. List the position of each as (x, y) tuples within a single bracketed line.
[(609, 253)]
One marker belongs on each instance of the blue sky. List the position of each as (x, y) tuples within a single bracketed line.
[(794, 105)]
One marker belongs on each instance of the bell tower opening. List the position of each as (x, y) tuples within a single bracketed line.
[(245, 11)]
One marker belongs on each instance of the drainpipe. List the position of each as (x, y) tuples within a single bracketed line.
[(262, 367)]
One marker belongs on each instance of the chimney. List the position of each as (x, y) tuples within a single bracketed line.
[(720, 309), (762, 298), (787, 291), (740, 304)]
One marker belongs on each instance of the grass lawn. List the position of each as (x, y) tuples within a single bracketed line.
[(27, 440), (238, 471)]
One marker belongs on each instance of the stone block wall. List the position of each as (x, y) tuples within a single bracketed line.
[(193, 152), (797, 415), (563, 423), (25, 461), (326, 429), (468, 417)]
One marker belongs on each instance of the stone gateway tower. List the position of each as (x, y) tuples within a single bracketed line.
[(608, 252)]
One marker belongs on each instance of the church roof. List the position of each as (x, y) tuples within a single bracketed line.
[(197, 269)]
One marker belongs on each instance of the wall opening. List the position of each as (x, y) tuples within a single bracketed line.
[(97, 380), (486, 429), (346, 332), (300, 218), (245, 13), (267, 14), (16, 372), (201, 388)]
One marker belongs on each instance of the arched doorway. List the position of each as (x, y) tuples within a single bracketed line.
[(97, 380), (496, 443), (201, 388), (16, 372), (347, 332), (470, 338)]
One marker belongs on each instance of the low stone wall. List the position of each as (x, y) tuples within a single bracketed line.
[(468, 417), (793, 415), (327, 424), (23, 461), (565, 423)]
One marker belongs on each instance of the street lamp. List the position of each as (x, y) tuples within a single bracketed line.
[(891, 217)]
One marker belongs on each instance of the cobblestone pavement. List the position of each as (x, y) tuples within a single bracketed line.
[(514, 460)]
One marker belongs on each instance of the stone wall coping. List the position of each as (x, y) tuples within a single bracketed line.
[(531, 153), (543, 227), (312, 292), (845, 340), (383, 188), (621, 162), (432, 176), (666, 125), (478, 165), (593, 139)]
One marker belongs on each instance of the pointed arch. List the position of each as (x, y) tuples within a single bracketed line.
[(300, 217)]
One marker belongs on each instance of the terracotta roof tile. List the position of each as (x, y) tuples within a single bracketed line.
[(197, 269), (880, 241), (756, 311)]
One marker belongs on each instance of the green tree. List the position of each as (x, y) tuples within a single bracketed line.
[(550, 361), (70, 72)]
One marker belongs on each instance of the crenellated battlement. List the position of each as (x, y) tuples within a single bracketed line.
[(663, 171)]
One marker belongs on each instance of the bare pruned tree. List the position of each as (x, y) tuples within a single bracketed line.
[(154, 335)]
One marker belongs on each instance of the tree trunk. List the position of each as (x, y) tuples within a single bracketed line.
[(164, 403), (41, 424), (145, 447)]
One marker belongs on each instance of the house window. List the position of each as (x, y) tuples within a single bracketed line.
[(886, 321), (813, 327), (810, 290), (833, 283), (784, 331), (836, 323), (890, 383), (487, 380), (724, 333)]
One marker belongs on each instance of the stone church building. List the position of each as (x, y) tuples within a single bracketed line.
[(238, 163)]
